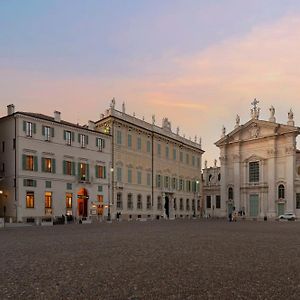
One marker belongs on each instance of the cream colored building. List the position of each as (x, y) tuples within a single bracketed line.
[(156, 172), (260, 167), (51, 168)]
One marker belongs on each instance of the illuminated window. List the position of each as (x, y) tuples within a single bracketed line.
[(29, 163), (29, 199), (69, 197), (83, 171), (47, 164), (48, 199)]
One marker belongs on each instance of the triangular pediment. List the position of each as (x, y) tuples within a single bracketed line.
[(256, 129)]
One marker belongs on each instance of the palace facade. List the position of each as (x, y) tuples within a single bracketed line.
[(156, 173), (50, 168)]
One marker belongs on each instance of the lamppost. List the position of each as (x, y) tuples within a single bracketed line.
[(196, 199), (110, 185), (4, 208)]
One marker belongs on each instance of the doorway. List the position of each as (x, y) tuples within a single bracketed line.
[(82, 203), (167, 206), (254, 201), (280, 209)]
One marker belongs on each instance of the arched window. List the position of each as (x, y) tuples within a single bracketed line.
[(219, 177), (129, 201), (148, 202), (230, 193), (159, 206), (281, 191), (119, 201), (139, 204)]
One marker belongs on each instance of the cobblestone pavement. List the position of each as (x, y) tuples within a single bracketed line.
[(182, 259)]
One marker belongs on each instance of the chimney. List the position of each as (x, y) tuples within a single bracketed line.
[(10, 109), (57, 116), (91, 125)]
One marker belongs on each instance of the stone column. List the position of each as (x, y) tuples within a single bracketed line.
[(171, 208), (290, 180), (236, 182), (271, 179), (224, 196)]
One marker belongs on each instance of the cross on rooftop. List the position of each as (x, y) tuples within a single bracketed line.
[(254, 103)]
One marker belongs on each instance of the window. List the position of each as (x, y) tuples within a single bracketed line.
[(148, 202), (29, 182), (48, 200), (181, 184), (181, 156), (139, 177), (69, 186), (167, 152), (218, 201), (29, 128), (83, 171), (47, 132), (148, 179), (298, 201), (188, 185), (129, 176), (119, 137), (187, 204), (181, 204), (68, 167), (129, 201), (175, 204), (230, 193), (174, 154), (119, 201), (174, 183), (193, 205), (68, 137), (100, 144), (83, 140), (29, 199), (119, 174), (48, 184), (30, 163), (129, 141), (254, 171), (208, 201), (187, 159), (69, 197), (158, 149), (139, 204), (48, 165), (100, 171), (148, 146), (159, 204), (219, 177), (281, 191), (158, 181), (139, 144), (167, 182)]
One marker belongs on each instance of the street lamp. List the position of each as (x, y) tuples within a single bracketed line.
[(110, 184), (195, 199)]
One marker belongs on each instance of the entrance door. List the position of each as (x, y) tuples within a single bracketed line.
[(167, 206), (254, 201), (229, 208), (280, 209), (82, 203)]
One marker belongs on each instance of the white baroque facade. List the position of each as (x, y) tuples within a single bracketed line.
[(156, 172), (260, 167), (52, 168)]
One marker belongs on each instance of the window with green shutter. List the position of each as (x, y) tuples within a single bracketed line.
[(69, 186), (48, 184), (100, 188)]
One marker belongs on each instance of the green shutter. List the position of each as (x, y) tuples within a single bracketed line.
[(24, 161), (87, 172), (73, 136), (78, 137), (87, 139), (64, 167), (52, 131), (43, 164), (24, 126), (65, 135), (53, 165), (96, 172), (34, 183), (104, 172), (79, 173), (97, 142), (34, 128), (103, 143), (24, 182), (73, 168), (43, 130), (35, 161)]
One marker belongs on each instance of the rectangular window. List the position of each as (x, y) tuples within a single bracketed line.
[(83, 140), (158, 181), (100, 188), (208, 201), (29, 163), (129, 177), (47, 132), (28, 128), (83, 171), (298, 201), (68, 167), (69, 137), (181, 184), (139, 177), (119, 137), (139, 144), (181, 156), (158, 149), (148, 179), (129, 141), (174, 154), (100, 172), (69, 197), (167, 152), (254, 171), (48, 165), (218, 201), (188, 185), (148, 146), (119, 174), (29, 199), (48, 184), (100, 144), (48, 200), (174, 183), (29, 182), (69, 186), (167, 182)]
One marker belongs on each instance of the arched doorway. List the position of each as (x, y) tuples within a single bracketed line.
[(82, 202), (167, 205)]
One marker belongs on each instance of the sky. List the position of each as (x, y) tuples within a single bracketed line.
[(199, 63)]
